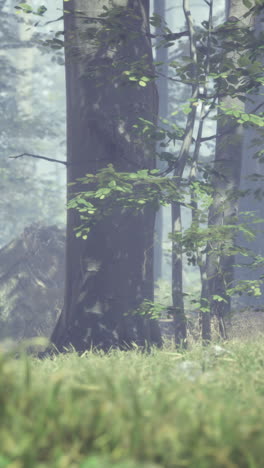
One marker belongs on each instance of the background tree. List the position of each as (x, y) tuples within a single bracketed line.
[(32, 120), (251, 185), (227, 164), (161, 57)]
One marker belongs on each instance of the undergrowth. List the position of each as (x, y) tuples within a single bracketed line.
[(201, 408)]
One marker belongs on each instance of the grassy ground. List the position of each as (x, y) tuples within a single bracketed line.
[(203, 408)]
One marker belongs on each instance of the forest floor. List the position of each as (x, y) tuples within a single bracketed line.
[(244, 325), (200, 408)]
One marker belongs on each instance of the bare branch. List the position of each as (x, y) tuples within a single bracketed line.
[(257, 108), (169, 36), (18, 45), (218, 135), (174, 79), (65, 163), (38, 157), (53, 21)]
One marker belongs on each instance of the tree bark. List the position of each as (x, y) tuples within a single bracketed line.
[(252, 143), (162, 85), (111, 272), (224, 210), (179, 319)]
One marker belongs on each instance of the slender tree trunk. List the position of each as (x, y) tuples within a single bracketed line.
[(179, 319), (228, 159), (111, 272), (205, 317)]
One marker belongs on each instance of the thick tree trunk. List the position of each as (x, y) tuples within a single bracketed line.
[(111, 272), (228, 160), (251, 145)]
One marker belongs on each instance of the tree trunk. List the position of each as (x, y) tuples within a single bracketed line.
[(110, 273), (251, 145), (162, 85), (179, 319), (228, 160)]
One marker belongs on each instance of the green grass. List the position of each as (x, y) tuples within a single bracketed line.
[(203, 408)]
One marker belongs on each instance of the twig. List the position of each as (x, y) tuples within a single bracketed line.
[(230, 129), (257, 107), (169, 36), (65, 163), (38, 157), (54, 21), (218, 135)]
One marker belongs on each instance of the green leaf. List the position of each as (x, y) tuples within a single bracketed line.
[(25, 7), (41, 10), (247, 3), (219, 298), (145, 78), (186, 110)]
